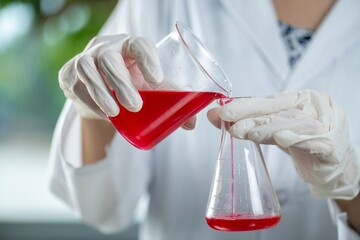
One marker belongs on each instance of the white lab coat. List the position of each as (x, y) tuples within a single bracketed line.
[(245, 39)]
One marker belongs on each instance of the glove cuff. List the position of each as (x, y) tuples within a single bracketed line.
[(343, 182)]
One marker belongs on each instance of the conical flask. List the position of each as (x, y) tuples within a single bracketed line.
[(241, 197)]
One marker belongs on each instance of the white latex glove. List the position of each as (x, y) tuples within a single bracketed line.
[(88, 77), (310, 127)]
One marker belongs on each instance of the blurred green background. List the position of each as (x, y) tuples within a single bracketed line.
[(36, 39)]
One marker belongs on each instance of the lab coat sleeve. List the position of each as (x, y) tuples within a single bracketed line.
[(104, 194), (345, 232)]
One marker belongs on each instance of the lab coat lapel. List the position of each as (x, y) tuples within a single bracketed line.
[(338, 32), (258, 21)]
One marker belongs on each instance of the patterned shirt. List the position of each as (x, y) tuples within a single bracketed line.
[(296, 40)]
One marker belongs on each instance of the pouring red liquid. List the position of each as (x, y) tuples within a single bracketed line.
[(162, 113)]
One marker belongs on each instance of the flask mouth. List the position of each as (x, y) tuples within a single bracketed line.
[(224, 101), (214, 73)]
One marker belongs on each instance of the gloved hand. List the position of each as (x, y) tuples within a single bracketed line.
[(88, 78), (310, 127)]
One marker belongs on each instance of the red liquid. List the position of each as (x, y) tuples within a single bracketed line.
[(242, 222), (161, 114)]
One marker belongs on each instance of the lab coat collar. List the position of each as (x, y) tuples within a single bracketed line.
[(337, 33), (339, 30)]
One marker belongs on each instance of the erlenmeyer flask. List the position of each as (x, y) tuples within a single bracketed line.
[(242, 197)]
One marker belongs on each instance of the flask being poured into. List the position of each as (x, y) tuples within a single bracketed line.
[(242, 197)]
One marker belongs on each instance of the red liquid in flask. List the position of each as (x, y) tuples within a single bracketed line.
[(239, 222), (162, 112)]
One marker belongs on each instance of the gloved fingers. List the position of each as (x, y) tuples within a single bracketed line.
[(319, 145), (118, 77), (285, 115), (213, 117), (190, 124), (68, 76), (262, 129), (145, 54), (105, 42), (271, 122), (98, 41), (243, 126), (96, 86), (241, 108), (139, 50), (93, 110), (264, 125), (322, 147), (311, 130)]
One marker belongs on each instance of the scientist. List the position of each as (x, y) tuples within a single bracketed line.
[(301, 61)]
